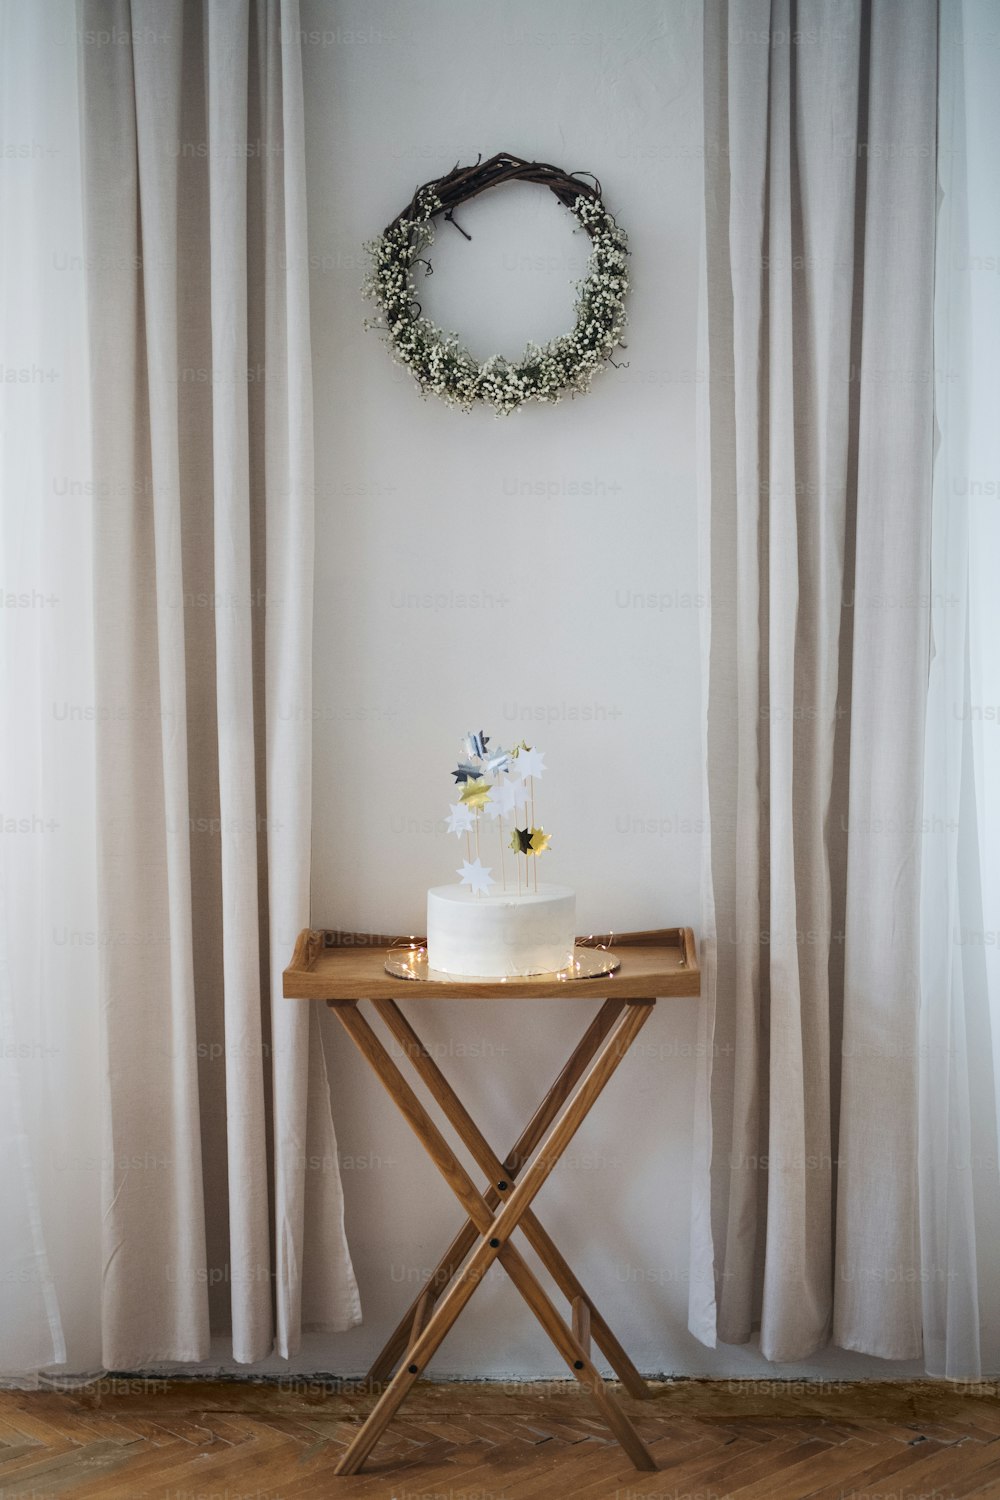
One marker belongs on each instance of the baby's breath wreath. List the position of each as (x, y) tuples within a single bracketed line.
[(439, 363)]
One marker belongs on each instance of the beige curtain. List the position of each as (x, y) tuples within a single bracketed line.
[(820, 203), (223, 1210)]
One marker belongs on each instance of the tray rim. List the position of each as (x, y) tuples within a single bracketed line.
[(364, 953)]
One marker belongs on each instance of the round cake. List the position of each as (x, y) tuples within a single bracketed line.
[(502, 934)]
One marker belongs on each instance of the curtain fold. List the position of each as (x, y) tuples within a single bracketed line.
[(820, 199), (203, 582), (50, 1136), (958, 1178), (227, 26), (947, 1227), (878, 1258), (312, 1279)]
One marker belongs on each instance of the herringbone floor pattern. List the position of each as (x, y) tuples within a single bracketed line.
[(124, 1439)]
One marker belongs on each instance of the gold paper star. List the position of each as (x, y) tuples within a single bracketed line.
[(539, 841), (475, 793)]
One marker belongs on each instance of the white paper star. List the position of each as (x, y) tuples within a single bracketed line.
[(503, 798), (475, 876), (522, 795), (530, 763), (462, 819)]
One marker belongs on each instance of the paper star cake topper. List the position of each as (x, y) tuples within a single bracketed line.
[(503, 798), (485, 782), (466, 772), (476, 877), (539, 841), (530, 763), (476, 793), (461, 819)]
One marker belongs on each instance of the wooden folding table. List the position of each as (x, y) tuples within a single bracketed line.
[(344, 969)]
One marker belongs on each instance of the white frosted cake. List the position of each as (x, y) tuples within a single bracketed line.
[(502, 934)]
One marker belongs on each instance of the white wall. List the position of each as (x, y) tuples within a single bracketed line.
[(573, 529)]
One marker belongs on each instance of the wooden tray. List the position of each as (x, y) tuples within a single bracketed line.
[(329, 964)]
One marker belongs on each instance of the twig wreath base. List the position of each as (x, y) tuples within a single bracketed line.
[(440, 365)]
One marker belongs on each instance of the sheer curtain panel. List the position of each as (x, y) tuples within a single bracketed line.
[(960, 964), (820, 194), (223, 1211), (50, 1099)]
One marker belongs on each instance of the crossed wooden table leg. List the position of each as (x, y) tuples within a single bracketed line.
[(495, 1214)]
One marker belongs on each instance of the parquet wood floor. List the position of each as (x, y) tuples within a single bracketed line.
[(135, 1439)]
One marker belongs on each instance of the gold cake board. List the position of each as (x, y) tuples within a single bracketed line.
[(587, 963)]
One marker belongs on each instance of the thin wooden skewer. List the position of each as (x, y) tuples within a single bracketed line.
[(533, 825)]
